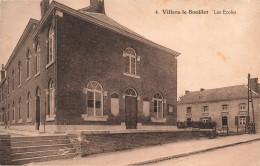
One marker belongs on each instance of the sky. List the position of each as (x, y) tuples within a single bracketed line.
[(217, 50)]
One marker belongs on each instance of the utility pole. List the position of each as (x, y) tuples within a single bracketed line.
[(250, 99)]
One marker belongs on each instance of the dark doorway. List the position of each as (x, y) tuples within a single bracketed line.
[(131, 112), (38, 110), (188, 122), (224, 121)]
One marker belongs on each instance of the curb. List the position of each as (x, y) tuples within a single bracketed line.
[(190, 153)]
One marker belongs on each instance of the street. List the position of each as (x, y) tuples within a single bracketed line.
[(239, 155)]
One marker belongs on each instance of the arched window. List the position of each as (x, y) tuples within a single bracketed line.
[(131, 92), (28, 58), (51, 98), (13, 112), (94, 99), (28, 105), (37, 58), (19, 74), (12, 80), (51, 46), (19, 108), (158, 106), (130, 63)]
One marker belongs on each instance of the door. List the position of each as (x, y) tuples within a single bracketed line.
[(188, 122), (37, 113), (130, 112)]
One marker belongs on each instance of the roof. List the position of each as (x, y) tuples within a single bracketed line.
[(101, 20), (218, 94), (104, 18), (26, 31)]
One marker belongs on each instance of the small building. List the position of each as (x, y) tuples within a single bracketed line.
[(227, 106), (80, 69)]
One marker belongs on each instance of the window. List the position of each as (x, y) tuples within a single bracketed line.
[(28, 58), (224, 107), (51, 46), (205, 120), (12, 80), (188, 110), (37, 58), (205, 108), (19, 108), (115, 104), (242, 107), (28, 105), (51, 98), (130, 63), (8, 86), (19, 74), (158, 106), (242, 120), (94, 99), (13, 111)]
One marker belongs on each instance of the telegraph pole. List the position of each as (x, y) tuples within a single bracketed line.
[(248, 101)]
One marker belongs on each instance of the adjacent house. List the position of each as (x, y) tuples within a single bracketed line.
[(80, 69), (227, 106)]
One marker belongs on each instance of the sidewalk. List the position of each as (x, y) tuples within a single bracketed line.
[(146, 155), (22, 133)]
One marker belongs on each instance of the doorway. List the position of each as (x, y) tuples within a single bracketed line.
[(131, 109)]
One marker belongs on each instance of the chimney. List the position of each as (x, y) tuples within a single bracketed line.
[(186, 92), (2, 73), (201, 89), (44, 7), (254, 85), (97, 6)]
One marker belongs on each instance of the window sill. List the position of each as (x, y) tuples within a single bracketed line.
[(50, 118), (19, 86), (29, 120), (37, 74), (97, 119), (28, 78), (158, 120), (49, 64), (131, 75), (20, 121)]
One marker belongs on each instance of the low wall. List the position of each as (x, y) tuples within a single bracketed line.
[(5, 149), (89, 142)]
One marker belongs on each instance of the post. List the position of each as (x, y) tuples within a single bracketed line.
[(248, 101)]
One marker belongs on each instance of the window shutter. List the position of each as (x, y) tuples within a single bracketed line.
[(236, 120)]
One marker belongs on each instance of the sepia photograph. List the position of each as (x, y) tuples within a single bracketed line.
[(127, 82)]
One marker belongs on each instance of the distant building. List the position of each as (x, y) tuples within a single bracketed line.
[(227, 106), (79, 69)]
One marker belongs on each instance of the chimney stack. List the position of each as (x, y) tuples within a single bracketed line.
[(2, 73), (96, 6), (201, 89), (186, 92), (44, 7), (254, 85)]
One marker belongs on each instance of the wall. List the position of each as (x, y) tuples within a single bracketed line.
[(5, 149), (35, 80), (87, 52), (215, 110)]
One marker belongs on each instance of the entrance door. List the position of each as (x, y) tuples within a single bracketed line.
[(37, 112), (131, 112), (188, 122)]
